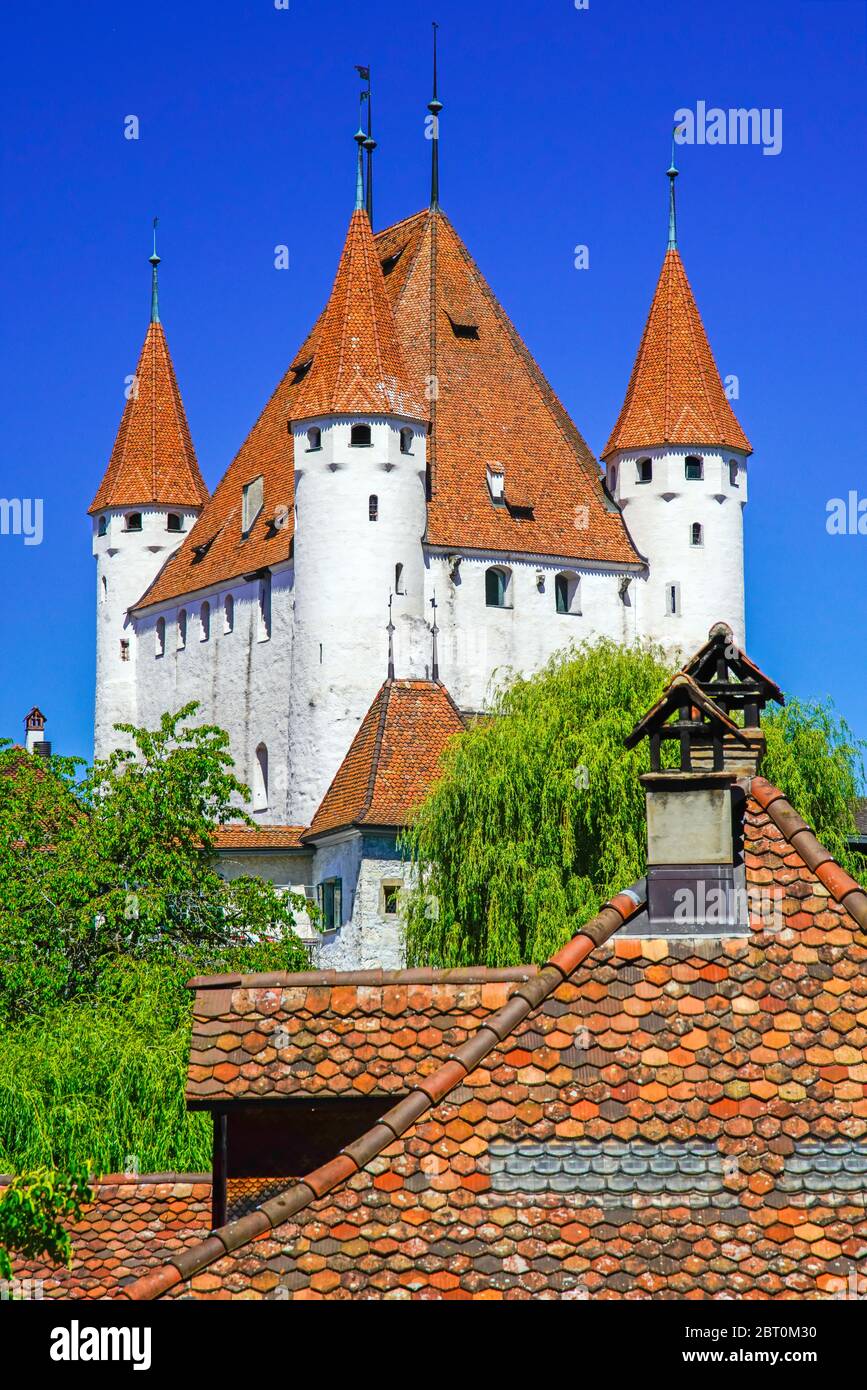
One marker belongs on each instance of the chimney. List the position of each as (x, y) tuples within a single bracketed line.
[(696, 883), (34, 728)]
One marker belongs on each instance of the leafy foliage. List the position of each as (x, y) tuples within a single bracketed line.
[(121, 863), (539, 815), (31, 1208)]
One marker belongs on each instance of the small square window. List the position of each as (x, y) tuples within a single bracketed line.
[(391, 899), (644, 469), (693, 470)]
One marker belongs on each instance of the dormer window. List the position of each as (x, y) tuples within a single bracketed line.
[(406, 438), (644, 471), (314, 439), (253, 500), (360, 437), (496, 477), (174, 522), (693, 469), (102, 528), (133, 521), (464, 330)]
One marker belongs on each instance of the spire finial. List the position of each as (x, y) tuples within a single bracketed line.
[(369, 143), (390, 631), (434, 661), (672, 173), (435, 106), (154, 260), (359, 139)]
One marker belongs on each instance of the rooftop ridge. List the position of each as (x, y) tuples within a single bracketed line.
[(423, 1094)]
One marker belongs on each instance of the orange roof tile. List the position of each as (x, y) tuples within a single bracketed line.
[(153, 460), (493, 405), (253, 837), (358, 366), (393, 758), (675, 395)]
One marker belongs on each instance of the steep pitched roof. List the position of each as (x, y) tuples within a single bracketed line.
[(153, 460), (494, 405), (675, 395), (359, 366), (393, 758)]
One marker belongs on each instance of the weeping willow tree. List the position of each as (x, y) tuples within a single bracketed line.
[(539, 814)]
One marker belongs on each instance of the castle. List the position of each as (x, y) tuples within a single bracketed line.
[(412, 468)]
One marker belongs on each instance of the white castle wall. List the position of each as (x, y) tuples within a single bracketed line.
[(240, 678), (344, 571), (367, 940), (127, 562), (660, 515), (478, 643)]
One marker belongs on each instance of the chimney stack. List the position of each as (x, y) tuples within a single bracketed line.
[(34, 729), (696, 883)]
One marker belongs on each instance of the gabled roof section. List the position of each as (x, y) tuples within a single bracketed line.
[(153, 462), (358, 367), (392, 760), (675, 395), (493, 405), (683, 693), (721, 667)]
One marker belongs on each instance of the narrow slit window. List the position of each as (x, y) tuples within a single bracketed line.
[(260, 779), (205, 621), (160, 637), (228, 613), (696, 533), (265, 608), (398, 580), (373, 507), (182, 629)]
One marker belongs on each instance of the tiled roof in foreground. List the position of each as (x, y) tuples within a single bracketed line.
[(392, 760), (675, 395), (492, 405), (754, 1046)]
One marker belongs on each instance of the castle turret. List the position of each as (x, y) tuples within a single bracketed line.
[(359, 435), (148, 499), (677, 466)]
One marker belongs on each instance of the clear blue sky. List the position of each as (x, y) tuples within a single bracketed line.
[(555, 132)]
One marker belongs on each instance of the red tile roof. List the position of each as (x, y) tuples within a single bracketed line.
[(393, 758), (359, 367), (153, 460), (494, 405), (675, 395), (749, 1050), (253, 837)]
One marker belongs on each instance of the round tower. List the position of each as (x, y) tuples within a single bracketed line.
[(677, 466), (148, 500), (359, 438)]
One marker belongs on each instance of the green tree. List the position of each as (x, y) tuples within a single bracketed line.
[(122, 863), (31, 1208), (539, 815)]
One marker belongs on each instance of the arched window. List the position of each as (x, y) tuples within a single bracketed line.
[(359, 436), (160, 637), (373, 507), (693, 469), (205, 621), (182, 629), (696, 533), (567, 593), (496, 587), (612, 478), (102, 529), (314, 439), (174, 522), (406, 438), (734, 473), (398, 580), (228, 613), (133, 521), (260, 779), (103, 589), (644, 471)]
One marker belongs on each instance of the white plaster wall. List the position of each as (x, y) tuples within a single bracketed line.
[(128, 561), (659, 516), (291, 870), (367, 940), (477, 643), (240, 681), (344, 571)]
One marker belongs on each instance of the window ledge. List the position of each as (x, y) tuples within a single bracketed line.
[(313, 449)]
